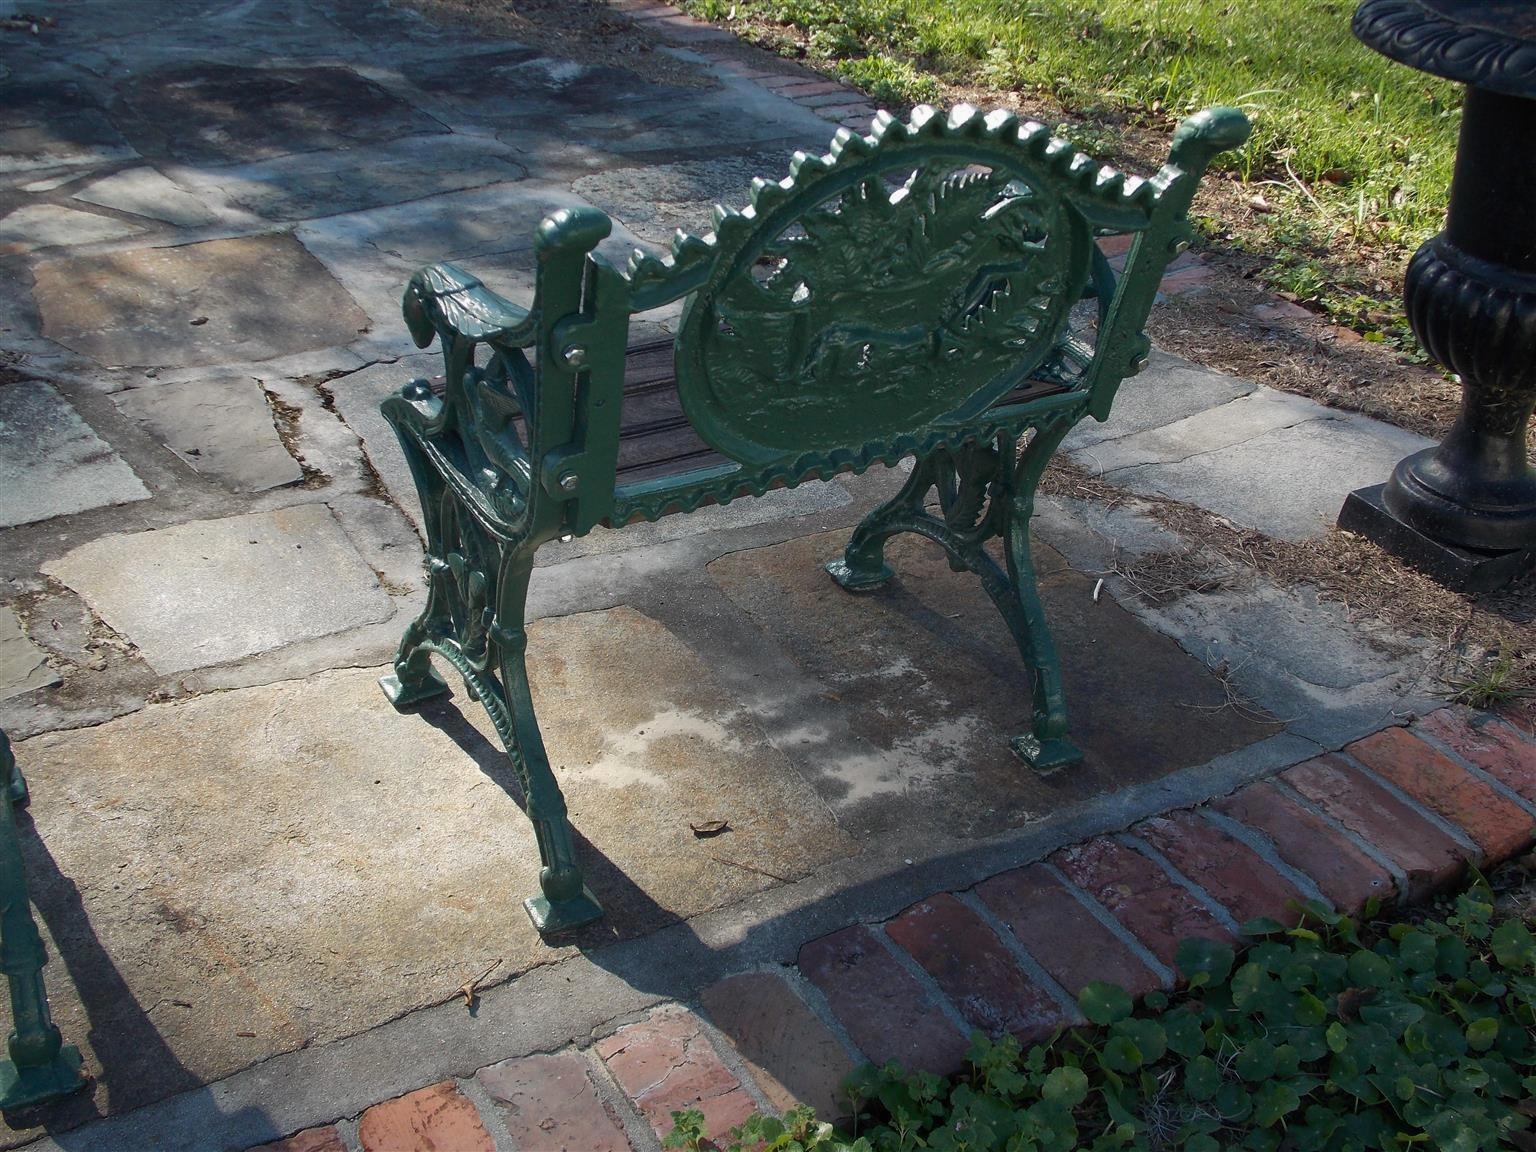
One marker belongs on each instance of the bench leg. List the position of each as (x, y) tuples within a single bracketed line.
[(985, 492), (863, 565), (414, 679), (564, 901)]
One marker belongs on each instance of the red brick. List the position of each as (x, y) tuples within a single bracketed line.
[(778, 83), (437, 1117), (665, 1063), (1064, 937), (791, 1054), (1308, 843), (1139, 894), (883, 1008), (860, 113), (1116, 245), (1498, 750), (325, 1139), (1225, 867), (1497, 825), (1429, 858), (975, 970), (803, 90), (549, 1102), (1521, 713)]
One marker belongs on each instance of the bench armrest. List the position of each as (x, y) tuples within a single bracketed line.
[(446, 301)]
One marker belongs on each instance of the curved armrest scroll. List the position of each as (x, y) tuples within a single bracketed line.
[(446, 301)]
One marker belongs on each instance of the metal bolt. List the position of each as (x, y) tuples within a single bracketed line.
[(574, 355), (1180, 246), (1139, 365), (569, 481)]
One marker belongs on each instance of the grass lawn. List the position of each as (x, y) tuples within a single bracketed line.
[(1350, 160)]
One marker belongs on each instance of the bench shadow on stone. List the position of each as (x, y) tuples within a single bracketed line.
[(129, 1060)]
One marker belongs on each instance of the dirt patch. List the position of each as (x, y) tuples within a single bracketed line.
[(581, 30), (1469, 638)]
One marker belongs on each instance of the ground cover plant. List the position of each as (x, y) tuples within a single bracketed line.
[(1325, 1035), (1346, 172)]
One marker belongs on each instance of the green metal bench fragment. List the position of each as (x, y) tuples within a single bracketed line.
[(905, 295)]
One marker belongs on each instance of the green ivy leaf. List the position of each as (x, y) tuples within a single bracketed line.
[(1148, 1036), (1120, 1054), (1337, 1037), (1482, 1033), (1393, 1014), (1371, 970), (1256, 1061), (1104, 1003), (1202, 1078), (1416, 952), (1202, 961), (1513, 945), (1261, 926), (1274, 1101), (1065, 1086), (1185, 1036)]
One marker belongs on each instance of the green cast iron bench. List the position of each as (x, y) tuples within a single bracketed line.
[(905, 295)]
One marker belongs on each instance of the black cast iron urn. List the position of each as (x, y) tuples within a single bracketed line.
[(1465, 511)]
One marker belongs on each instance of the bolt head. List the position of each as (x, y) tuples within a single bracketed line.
[(1179, 247), (1139, 365), (574, 355), (569, 482)]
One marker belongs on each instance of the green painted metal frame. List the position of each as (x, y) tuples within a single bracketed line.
[(41, 1066), (843, 318)]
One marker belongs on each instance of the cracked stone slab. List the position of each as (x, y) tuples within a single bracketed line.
[(35, 226), (653, 201), (51, 462), (249, 298), (23, 666), (151, 193), (1289, 482), (1208, 429), (488, 230), (219, 426), (307, 185), (928, 681), (1171, 389), (209, 113), (212, 591), (300, 862)]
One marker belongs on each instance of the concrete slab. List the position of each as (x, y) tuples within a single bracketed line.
[(1288, 483), (213, 113), (23, 666), (243, 873), (313, 184), (211, 591), (51, 462), (149, 192), (217, 302), (655, 200), (221, 427), (35, 226), (1171, 389), (931, 684)]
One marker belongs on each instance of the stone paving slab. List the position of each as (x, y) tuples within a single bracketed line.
[(243, 872), (931, 682), (656, 200), (1170, 389), (220, 426), (51, 462), (220, 301), (211, 591), (151, 193), (52, 124), (23, 665), (1288, 483), (210, 113), (312, 184), (35, 226)]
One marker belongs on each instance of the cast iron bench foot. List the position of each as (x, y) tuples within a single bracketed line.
[(1045, 756), (30, 1085), (857, 579), (402, 696), (552, 917)]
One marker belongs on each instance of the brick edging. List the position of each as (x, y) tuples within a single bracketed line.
[(1397, 815)]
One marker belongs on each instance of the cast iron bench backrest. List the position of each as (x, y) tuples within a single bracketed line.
[(908, 290)]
